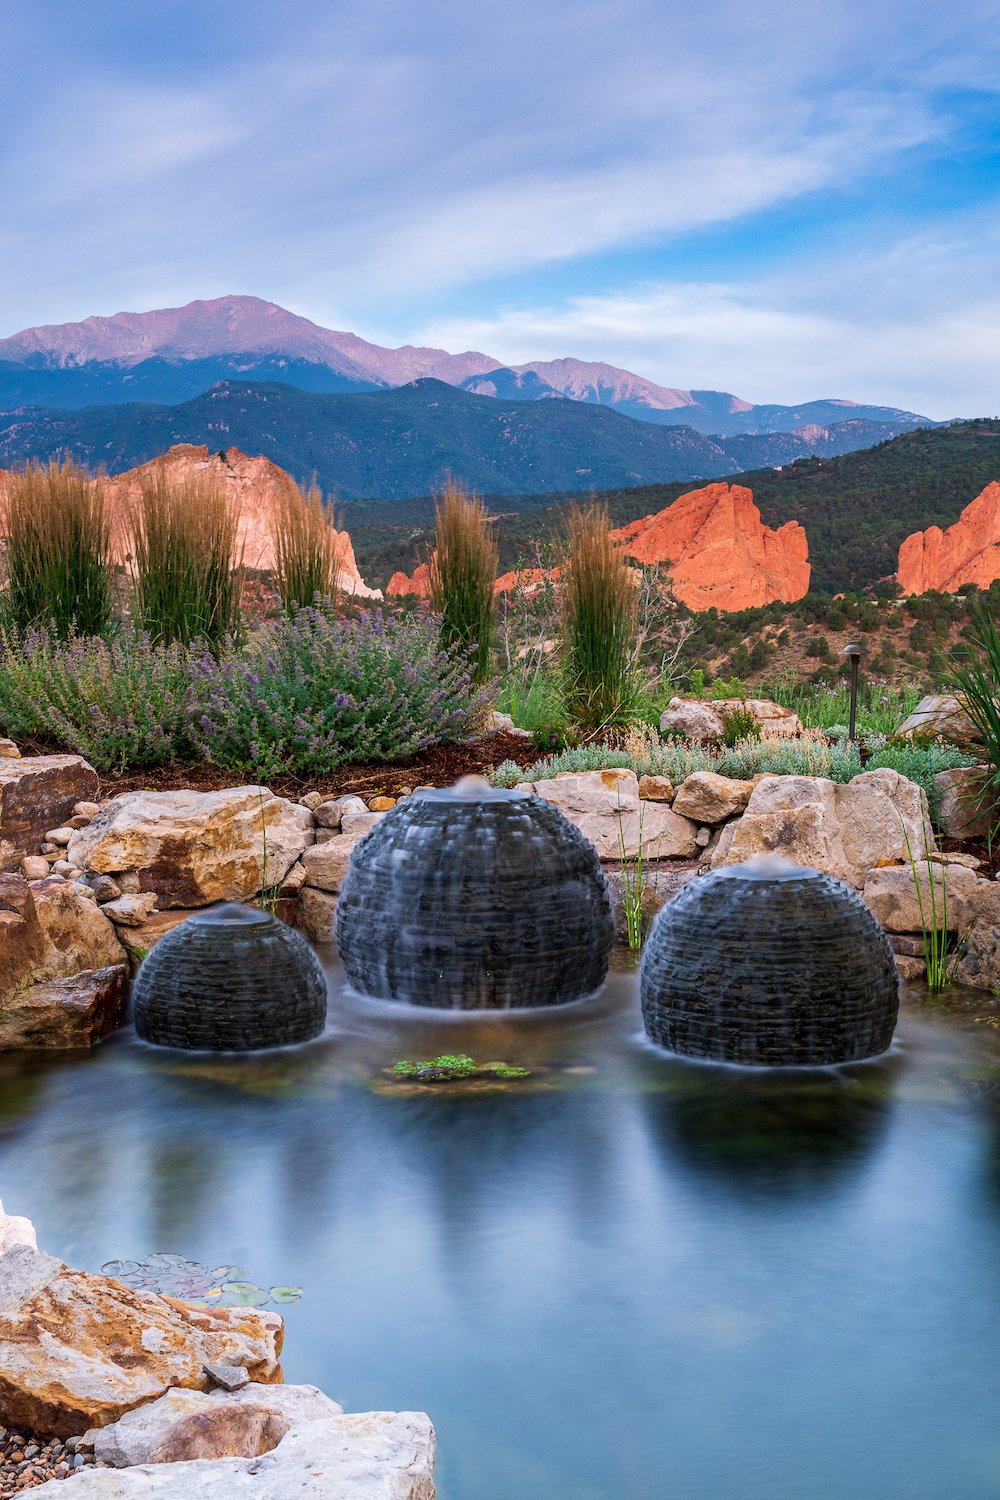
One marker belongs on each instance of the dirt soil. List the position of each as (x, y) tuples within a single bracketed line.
[(439, 766)]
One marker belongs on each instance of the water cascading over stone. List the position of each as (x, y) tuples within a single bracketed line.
[(230, 979), (475, 898), (769, 964)]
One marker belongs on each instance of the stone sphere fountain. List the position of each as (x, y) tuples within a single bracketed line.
[(475, 898), (230, 979), (769, 964)]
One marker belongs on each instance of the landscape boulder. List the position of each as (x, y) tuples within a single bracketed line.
[(979, 965), (194, 848), (175, 1427), (895, 896), (66, 1013), (602, 803), (941, 716), (15, 1231), (842, 830), (709, 798), (38, 792), (963, 811), (700, 720), (373, 1455), (78, 1350)]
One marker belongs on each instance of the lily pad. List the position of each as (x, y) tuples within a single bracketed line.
[(243, 1294), (284, 1294)]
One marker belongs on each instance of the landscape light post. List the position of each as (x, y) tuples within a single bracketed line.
[(853, 653)]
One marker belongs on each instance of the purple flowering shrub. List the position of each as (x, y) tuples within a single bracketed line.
[(119, 703), (310, 692)]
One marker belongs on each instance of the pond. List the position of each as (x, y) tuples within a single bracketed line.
[(628, 1278)]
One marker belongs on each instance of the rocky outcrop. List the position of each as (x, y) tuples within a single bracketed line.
[(968, 552), (39, 793), (606, 807), (702, 720), (193, 848), (15, 1231), (418, 586), (842, 830), (78, 1351), (255, 484), (718, 551)]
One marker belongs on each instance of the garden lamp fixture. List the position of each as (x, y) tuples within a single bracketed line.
[(852, 653)]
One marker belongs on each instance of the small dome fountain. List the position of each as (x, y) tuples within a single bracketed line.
[(475, 898), (769, 964), (230, 979)]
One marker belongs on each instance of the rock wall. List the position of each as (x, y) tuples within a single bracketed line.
[(968, 552)]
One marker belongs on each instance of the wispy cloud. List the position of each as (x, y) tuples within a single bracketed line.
[(362, 164)]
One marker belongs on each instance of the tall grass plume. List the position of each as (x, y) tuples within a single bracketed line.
[(463, 570), (600, 616), (308, 552), (188, 562), (58, 551)]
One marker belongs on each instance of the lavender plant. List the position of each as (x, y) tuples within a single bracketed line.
[(121, 703), (310, 692)]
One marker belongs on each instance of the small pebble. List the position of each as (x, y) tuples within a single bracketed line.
[(86, 810)]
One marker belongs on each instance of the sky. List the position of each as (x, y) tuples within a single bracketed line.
[(788, 201)]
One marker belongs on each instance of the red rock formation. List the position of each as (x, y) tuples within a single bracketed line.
[(254, 483), (968, 552), (719, 552), (420, 584)]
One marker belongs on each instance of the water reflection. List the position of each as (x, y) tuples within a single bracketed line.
[(781, 1132)]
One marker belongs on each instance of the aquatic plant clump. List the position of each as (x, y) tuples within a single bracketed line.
[(453, 1067)]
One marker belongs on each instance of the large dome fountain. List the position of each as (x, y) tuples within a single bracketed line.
[(769, 964), (475, 898), (230, 979)]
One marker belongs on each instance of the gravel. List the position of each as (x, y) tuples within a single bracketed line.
[(27, 1460)]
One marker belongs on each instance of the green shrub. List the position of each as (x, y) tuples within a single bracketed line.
[(921, 763), (58, 551), (739, 724)]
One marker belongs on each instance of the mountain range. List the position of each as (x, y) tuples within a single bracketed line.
[(397, 443), (174, 354)]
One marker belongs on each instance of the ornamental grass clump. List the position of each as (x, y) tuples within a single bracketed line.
[(119, 703), (308, 693), (599, 618), (188, 563), (307, 550), (977, 678), (58, 551), (463, 570)]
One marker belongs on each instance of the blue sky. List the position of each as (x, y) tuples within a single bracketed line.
[(789, 202)]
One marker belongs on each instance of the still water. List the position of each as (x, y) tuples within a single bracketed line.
[(632, 1278)]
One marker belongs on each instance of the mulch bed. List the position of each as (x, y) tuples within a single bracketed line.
[(439, 766)]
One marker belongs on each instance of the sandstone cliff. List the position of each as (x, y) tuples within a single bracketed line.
[(255, 485), (719, 551), (968, 552)]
